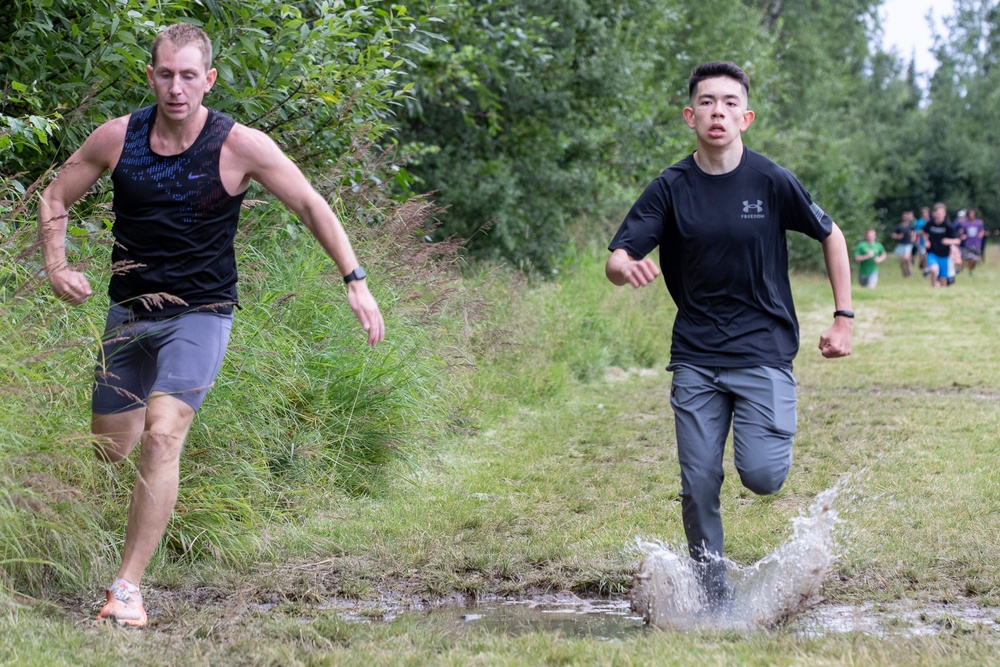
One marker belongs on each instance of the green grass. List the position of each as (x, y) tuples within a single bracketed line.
[(301, 408), (556, 451)]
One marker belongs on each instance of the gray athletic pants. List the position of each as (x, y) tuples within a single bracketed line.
[(759, 404)]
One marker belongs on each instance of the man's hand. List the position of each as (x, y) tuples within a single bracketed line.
[(640, 273), (366, 309), (70, 286), (622, 269), (836, 341)]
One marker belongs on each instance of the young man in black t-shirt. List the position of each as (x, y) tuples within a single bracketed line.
[(940, 235), (719, 217)]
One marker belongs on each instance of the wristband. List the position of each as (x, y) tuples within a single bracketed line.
[(844, 313)]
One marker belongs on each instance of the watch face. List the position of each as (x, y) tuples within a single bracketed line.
[(356, 274)]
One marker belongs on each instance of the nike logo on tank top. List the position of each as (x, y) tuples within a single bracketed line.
[(175, 224)]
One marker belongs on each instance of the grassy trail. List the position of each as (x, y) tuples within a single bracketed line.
[(551, 492)]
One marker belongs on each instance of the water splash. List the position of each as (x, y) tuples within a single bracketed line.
[(668, 593)]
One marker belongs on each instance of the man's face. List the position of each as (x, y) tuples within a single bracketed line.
[(939, 214), (870, 236), (719, 112), (179, 80)]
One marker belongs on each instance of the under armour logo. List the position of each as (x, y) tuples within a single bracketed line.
[(756, 208)]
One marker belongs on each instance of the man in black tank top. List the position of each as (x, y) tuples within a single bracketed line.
[(180, 171), (719, 218)]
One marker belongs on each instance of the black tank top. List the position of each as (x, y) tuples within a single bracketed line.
[(174, 224)]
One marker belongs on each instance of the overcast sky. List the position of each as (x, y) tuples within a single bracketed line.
[(905, 25)]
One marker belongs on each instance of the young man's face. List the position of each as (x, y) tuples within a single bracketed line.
[(939, 214), (870, 236), (179, 80), (719, 113)]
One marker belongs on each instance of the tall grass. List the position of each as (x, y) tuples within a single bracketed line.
[(302, 409), (547, 335)]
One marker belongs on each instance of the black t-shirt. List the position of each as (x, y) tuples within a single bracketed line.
[(175, 224), (905, 233), (936, 234), (724, 258)]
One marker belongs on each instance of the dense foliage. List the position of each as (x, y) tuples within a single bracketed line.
[(522, 116), (527, 114), (313, 74)]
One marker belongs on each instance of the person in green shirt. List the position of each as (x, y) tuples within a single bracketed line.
[(869, 254)]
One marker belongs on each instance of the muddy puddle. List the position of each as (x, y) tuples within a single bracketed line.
[(781, 592), (596, 619), (896, 619), (614, 620)]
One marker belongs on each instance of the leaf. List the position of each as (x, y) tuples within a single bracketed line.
[(418, 47)]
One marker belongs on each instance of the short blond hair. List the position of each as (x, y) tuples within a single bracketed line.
[(182, 34)]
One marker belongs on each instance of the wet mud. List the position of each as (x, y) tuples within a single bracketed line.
[(781, 592)]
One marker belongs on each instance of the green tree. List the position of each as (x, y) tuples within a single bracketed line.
[(528, 114), (317, 75), (817, 127), (962, 157)]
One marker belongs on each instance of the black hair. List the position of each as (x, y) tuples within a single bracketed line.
[(715, 69)]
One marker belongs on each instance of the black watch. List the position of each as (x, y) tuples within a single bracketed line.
[(844, 313), (356, 274)]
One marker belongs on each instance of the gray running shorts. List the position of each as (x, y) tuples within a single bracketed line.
[(179, 356)]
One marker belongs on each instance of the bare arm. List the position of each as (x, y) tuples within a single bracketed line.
[(836, 341), (98, 153), (259, 158), (622, 269)]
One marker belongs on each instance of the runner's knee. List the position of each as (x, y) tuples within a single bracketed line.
[(113, 450), (764, 481)]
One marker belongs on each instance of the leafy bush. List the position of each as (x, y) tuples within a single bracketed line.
[(311, 73)]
